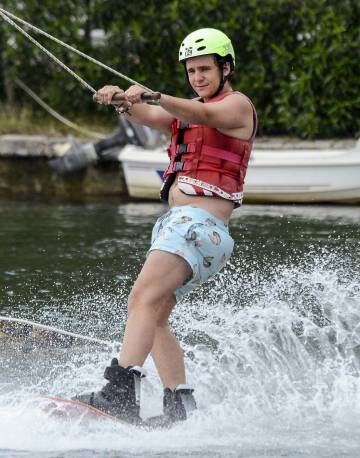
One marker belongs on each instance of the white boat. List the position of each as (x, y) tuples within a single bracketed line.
[(279, 171)]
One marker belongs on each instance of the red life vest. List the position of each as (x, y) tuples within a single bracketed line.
[(206, 161)]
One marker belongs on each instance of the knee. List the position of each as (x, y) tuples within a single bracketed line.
[(139, 298), (163, 312), (162, 321), (145, 299)]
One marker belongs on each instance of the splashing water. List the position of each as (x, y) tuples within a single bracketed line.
[(275, 377), (272, 344)]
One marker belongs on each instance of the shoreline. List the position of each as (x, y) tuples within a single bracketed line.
[(16, 145), (25, 172)]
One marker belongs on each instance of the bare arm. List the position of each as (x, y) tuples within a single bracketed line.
[(230, 113), (151, 116)]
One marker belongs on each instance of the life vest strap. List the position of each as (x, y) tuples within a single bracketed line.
[(221, 154), (182, 163), (196, 164)]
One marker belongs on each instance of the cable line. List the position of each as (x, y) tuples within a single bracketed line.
[(57, 115), (6, 15), (54, 58)]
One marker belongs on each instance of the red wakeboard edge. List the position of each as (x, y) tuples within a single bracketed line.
[(71, 408)]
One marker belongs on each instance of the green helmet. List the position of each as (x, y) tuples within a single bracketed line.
[(206, 41)]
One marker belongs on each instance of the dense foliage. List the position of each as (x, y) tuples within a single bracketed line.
[(297, 59)]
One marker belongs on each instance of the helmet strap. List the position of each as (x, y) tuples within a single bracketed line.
[(221, 84), (223, 78)]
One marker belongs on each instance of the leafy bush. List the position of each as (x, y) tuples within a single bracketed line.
[(297, 59)]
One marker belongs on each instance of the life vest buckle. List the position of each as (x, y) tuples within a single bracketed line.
[(183, 125), (181, 149), (179, 165)]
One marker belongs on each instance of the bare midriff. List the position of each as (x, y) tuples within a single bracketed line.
[(218, 206)]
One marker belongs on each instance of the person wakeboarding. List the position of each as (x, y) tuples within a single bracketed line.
[(211, 142)]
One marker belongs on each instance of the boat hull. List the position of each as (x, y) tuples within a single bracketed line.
[(287, 176)]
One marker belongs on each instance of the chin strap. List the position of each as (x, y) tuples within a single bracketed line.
[(221, 85)]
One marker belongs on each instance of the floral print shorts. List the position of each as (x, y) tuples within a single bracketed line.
[(199, 237)]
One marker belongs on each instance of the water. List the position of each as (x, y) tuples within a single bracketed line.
[(272, 344)]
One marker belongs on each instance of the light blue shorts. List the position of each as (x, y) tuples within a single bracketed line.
[(199, 237)]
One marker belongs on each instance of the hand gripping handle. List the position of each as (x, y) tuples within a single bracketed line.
[(152, 98)]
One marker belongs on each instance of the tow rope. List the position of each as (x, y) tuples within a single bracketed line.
[(151, 95), (55, 114)]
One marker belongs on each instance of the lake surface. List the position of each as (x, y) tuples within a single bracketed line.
[(272, 344)]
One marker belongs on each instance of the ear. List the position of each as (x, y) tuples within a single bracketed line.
[(226, 68)]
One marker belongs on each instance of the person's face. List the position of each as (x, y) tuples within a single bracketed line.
[(205, 75)]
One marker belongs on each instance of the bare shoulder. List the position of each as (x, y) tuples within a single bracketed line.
[(239, 101), (234, 111)]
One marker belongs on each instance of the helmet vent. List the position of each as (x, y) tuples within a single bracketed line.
[(201, 48), (198, 40)]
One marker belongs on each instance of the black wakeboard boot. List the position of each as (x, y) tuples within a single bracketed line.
[(120, 397), (178, 405)]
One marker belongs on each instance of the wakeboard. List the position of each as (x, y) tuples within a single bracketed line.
[(72, 410), (30, 351)]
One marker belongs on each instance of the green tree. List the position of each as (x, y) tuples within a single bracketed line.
[(297, 59)]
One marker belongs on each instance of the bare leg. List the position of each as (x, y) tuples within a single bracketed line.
[(168, 357), (150, 303), (166, 352), (152, 296)]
